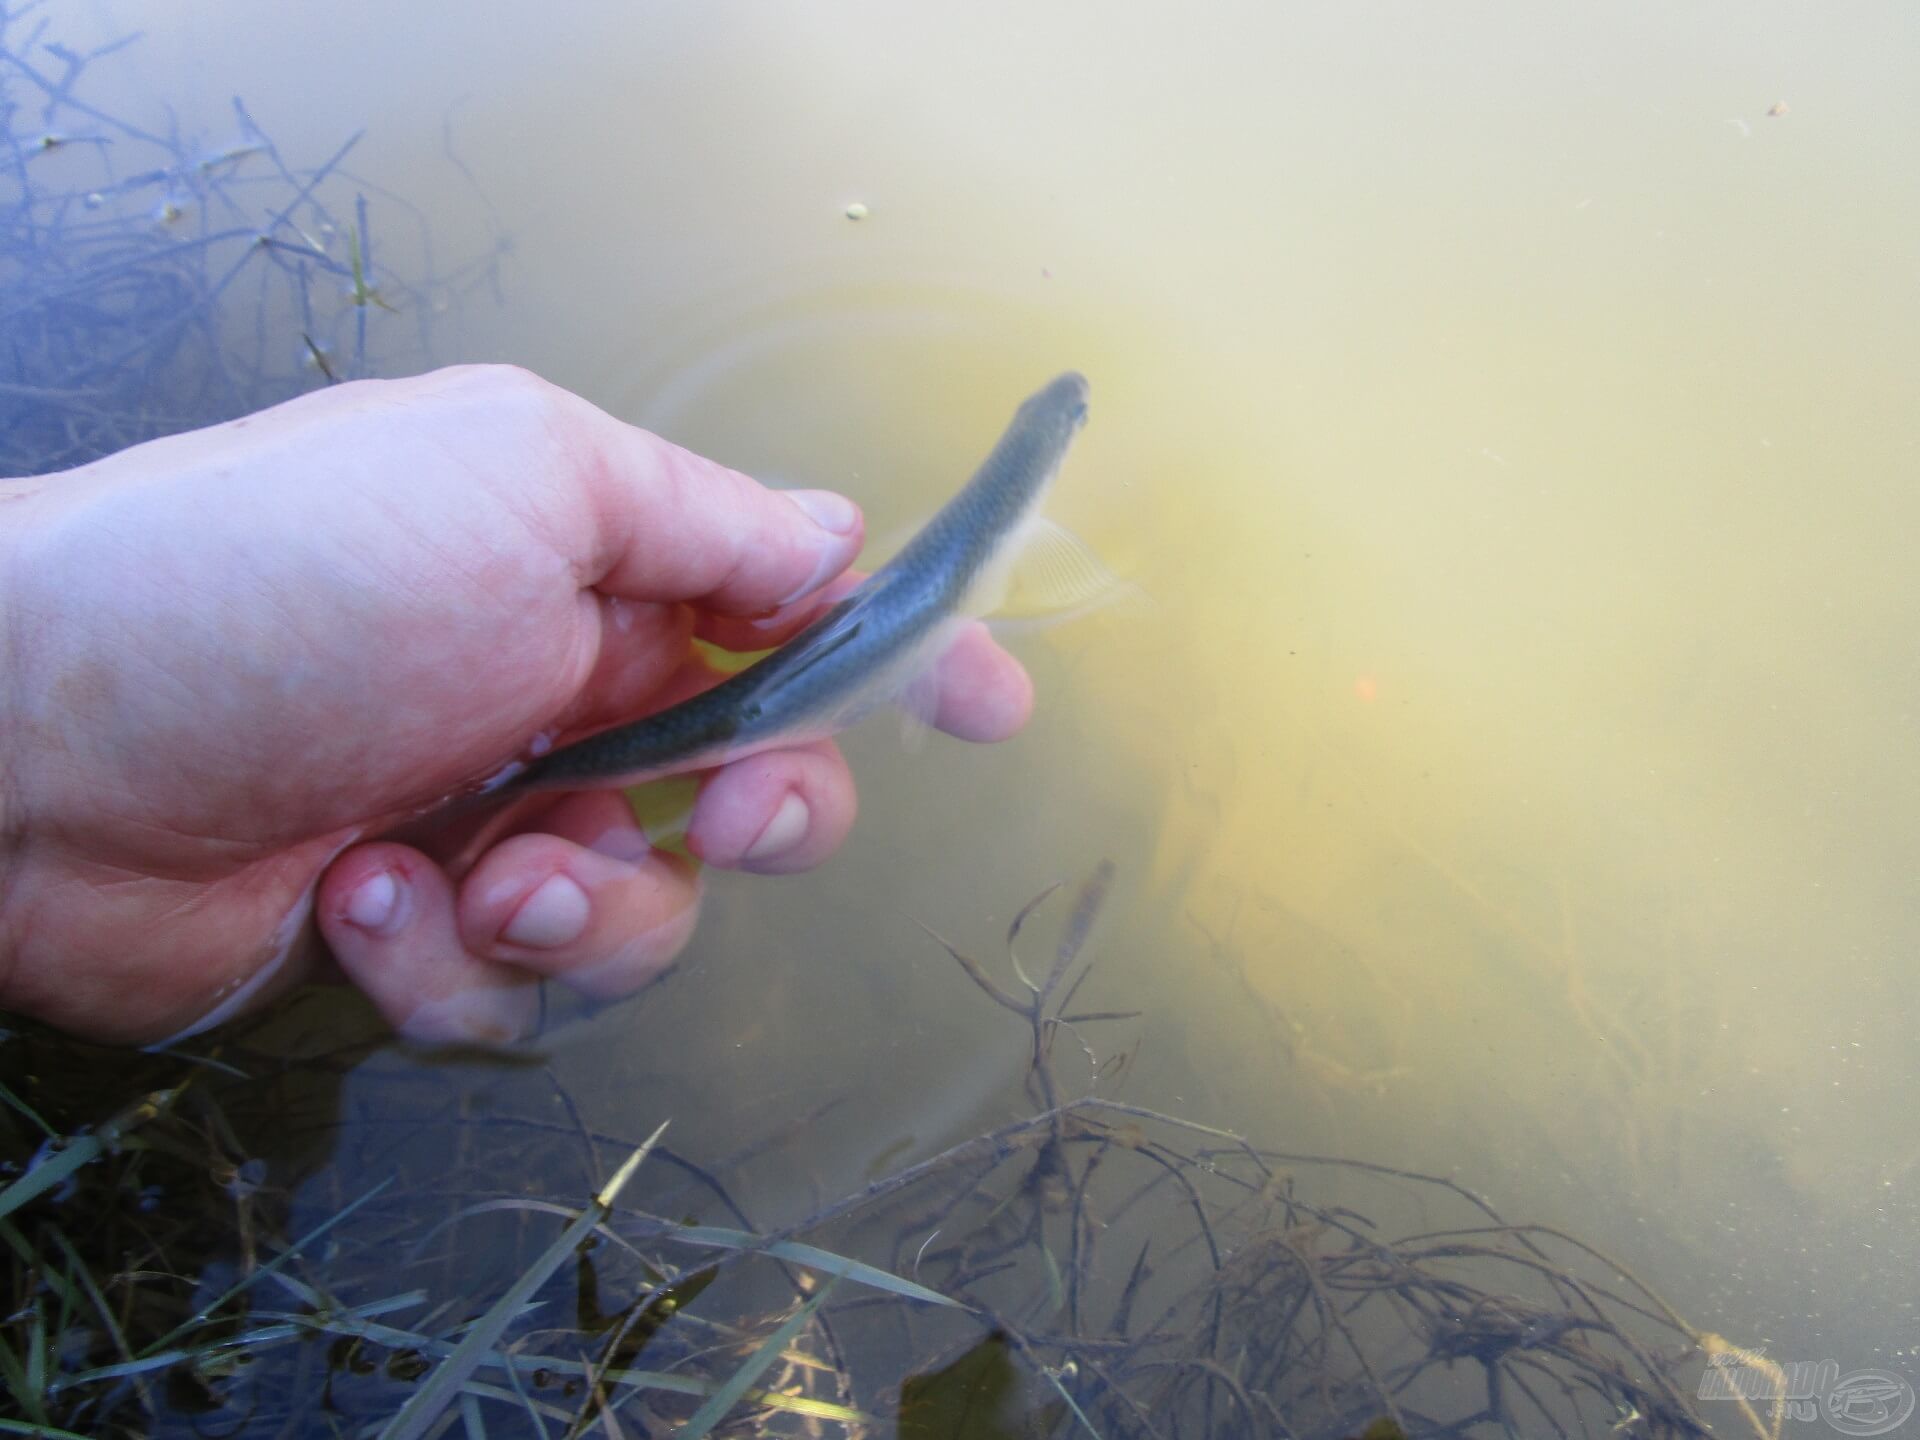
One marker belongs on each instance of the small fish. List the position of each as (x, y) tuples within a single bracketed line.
[(875, 645)]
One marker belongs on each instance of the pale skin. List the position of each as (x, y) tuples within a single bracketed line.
[(234, 662)]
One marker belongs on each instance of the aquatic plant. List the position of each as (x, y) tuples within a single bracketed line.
[(152, 282), (1094, 1268)]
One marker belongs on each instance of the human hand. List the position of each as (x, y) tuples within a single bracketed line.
[(231, 660)]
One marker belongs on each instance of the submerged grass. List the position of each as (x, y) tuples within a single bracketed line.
[(444, 1386), (1095, 1267), (152, 282)]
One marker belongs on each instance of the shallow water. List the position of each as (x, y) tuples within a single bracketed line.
[(1511, 421)]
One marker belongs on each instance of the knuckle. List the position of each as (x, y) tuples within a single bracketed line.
[(518, 391)]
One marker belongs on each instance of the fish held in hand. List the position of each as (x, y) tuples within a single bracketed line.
[(870, 649)]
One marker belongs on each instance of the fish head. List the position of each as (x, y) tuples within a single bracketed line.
[(1060, 405)]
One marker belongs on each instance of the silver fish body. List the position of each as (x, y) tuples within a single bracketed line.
[(869, 648)]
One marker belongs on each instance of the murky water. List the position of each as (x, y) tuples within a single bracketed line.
[(1511, 418)]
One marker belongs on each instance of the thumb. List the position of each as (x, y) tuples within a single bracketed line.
[(668, 525)]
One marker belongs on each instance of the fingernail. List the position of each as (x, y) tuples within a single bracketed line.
[(833, 513), (554, 914), (375, 904), (785, 830)]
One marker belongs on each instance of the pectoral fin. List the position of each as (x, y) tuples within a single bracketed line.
[(1053, 575)]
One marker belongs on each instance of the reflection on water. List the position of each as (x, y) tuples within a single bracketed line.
[(1511, 420)]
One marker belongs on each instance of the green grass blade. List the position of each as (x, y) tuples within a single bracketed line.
[(518, 1365), (81, 1150), (49, 1173), (728, 1395), (18, 1243), (801, 1405), (280, 1328), (526, 1401), (27, 1110), (100, 1308), (426, 1404), (47, 1432), (15, 1375), (811, 1256), (1056, 1283), (200, 1316), (37, 1359), (542, 1410), (1078, 1413)]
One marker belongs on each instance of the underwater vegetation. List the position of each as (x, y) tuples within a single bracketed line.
[(152, 282), (1092, 1268)]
